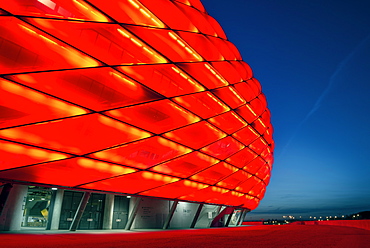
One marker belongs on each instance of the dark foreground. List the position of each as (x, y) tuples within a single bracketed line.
[(253, 236)]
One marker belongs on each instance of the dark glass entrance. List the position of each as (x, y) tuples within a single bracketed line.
[(120, 212), (93, 214)]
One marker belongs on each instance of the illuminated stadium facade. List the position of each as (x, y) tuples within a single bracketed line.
[(119, 114)]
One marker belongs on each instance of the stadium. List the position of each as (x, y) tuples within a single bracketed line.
[(126, 114)]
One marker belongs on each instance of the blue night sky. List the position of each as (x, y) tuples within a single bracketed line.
[(312, 58)]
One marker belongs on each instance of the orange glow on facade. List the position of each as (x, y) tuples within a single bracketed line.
[(136, 97)]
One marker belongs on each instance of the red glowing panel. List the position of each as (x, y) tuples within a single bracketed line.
[(3, 12), (223, 148), (203, 45), (258, 106), (167, 80), (227, 71), (267, 156), (245, 90), (175, 189), (109, 43), (234, 49), (267, 135), (205, 74), (132, 183), (255, 86), (97, 88), (262, 97), (129, 11), (206, 194), (31, 106), (242, 158), (257, 189), (196, 135), (16, 155), (63, 9), (234, 198), (246, 135), (228, 122), (267, 178), (186, 165), (259, 126), (266, 117), (263, 172), (216, 26), (143, 154), (262, 193), (234, 179), (170, 14), (167, 42), (230, 96), (197, 4), (187, 2), (215, 173), (243, 69), (204, 104), (157, 117), (76, 135), (222, 47), (258, 145), (254, 165), (69, 172), (246, 186), (247, 113), (20, 50), (198, 19), (251, 202), (219, 198)]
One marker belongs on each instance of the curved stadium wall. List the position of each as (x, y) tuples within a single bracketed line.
[(144, 98)]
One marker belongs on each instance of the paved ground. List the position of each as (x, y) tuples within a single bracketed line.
[(253, 236)]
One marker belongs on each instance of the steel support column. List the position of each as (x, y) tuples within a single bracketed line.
[(170, 215), (196, 216), (131, 219), (242, 216), (239, 217), (229, 218), (216, 221), (51, 209), (80, 211)]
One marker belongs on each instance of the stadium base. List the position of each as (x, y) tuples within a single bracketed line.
[(251, 236)]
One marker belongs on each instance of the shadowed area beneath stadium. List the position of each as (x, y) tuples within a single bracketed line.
[(252, 236)]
